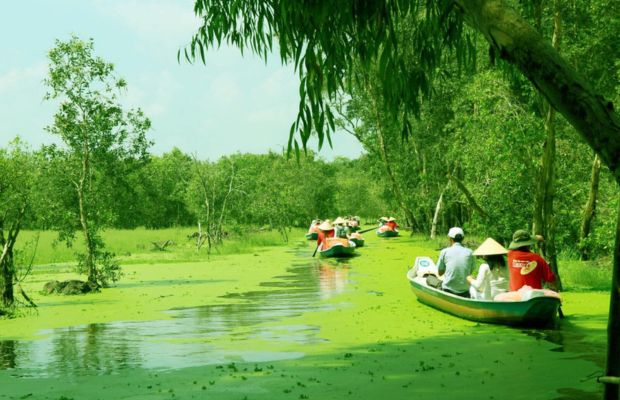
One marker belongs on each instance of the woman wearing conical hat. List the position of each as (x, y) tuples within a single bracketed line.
[(492, 277), (326, 230)]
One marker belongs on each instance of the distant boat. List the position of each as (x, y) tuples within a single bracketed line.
[(357, 239), (387, 233), (535, 312), (312, 235), (359, 242)]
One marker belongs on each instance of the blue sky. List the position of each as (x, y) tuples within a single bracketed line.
[(233, 104)]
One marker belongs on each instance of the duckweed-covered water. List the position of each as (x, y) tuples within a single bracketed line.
[(281, 324)]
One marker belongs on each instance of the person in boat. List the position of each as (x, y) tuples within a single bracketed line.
[(314, 225), (391, 223), (492, 278), (326, 230), (340, 228), (455, 263), (352, 225), (526, 267)]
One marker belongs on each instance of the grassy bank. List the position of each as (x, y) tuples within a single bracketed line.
[(137, 246)]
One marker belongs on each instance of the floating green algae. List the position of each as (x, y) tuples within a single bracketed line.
[(284, 325)]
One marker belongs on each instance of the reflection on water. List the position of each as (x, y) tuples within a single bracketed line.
[(190, 337), (7, 354), (571, 340)]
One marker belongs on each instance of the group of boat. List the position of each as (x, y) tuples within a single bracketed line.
[(534, 311), (344, 235)]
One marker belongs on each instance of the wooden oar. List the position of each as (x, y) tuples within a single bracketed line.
[(317, 247), (368, 230)]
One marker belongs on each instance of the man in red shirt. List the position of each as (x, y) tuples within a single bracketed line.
[(391, 223), (525, 267)]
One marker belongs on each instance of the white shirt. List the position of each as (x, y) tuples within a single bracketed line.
[(487, 284)]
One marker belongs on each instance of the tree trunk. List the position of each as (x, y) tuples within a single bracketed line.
[(7, 271), (515, 41), (436, 215), (590, 209), (544, 218), (90, 247), (613, 327), (470, 197)]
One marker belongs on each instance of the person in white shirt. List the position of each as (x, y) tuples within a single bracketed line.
[(492, 278)]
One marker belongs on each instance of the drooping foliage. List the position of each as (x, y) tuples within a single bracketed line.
[(323, 42)]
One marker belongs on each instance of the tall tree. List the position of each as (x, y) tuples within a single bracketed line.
[(17, 178), (544, 218), (98, 137)]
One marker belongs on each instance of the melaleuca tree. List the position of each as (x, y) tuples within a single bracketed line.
[(18, 173), (99, 139)]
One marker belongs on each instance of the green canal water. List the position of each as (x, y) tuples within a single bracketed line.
[(279, 324)]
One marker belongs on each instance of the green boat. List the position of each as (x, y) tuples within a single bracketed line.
[(338, 248), (312, 236), (358, 242), (388, 233), (535, 312)]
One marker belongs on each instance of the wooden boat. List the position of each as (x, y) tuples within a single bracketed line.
[(387, 233), (535, 312), (359, 242), (336, 247), (312, 235)]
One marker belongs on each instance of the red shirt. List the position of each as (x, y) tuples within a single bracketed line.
[(527, 268), (323, 235), (392, 225)]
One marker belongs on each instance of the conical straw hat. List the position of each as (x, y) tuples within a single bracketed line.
[(391, 219), (490, 247), (326, 225), (339, 220)]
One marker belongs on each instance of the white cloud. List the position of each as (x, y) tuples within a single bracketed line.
[(160, 21), (17, 78)]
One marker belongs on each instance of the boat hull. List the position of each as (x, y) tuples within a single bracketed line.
[(337, 251), (358, 242), (535, 312), (312, 235), (388, 233)]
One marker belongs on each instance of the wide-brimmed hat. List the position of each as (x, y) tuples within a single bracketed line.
[(490, 247), (326, 225), (383, 219), (339, 220), (521, 238), (391, 219), (455, 231)]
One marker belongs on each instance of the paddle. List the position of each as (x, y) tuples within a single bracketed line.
[(317, 247), (368, 230), (560, 312)]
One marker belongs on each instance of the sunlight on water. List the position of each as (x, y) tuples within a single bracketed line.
[(192, 336)]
